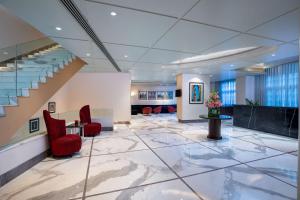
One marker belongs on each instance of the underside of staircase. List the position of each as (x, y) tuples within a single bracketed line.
[(28, 82)]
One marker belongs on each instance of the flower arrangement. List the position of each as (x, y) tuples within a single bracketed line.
[(213, 103)]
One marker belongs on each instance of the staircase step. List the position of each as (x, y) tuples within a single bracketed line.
[(24, 92), (8, 100), (2, 111)]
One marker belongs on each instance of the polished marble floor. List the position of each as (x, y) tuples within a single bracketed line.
[(157, 158)]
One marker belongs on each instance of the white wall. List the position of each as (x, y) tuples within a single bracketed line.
[(135, 88), (185, 110), (245, 88), (99, 90)]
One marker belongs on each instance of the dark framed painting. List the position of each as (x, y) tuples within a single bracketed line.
[(142, 95), (196, 93), (52, 107), (151, 95), (34, 125)]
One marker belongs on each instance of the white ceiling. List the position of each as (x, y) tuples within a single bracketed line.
[(153, 33)]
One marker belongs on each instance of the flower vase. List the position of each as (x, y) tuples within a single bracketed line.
[(214, 112)]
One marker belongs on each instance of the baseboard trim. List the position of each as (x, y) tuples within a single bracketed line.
[(192, 121), (110, 128), (15, 172), (122, 122)]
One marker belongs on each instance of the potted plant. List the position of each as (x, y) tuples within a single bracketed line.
[(213, 104)]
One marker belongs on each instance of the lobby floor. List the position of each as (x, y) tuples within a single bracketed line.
[(158, 158)]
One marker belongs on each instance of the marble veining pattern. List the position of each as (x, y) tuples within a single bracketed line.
[(155, 157)]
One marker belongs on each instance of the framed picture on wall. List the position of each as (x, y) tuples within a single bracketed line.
[(151, 95), (196, 93), (170, 95), (51, 107), (160, 95), (142, 95), (34, 125)]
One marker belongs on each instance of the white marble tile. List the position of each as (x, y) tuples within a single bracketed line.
[(115, 133), (164, 139), (117, 144), (236, 131), (124, 170), (51, 180), (240, 183), (280, 143), (283, 167), (241, 150), (170, 190), (193, 158)]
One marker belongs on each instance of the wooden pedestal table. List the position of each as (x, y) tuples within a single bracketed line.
[(214, 125)]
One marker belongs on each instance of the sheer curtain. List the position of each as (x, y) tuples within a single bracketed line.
[(278, 86), (228, 92)]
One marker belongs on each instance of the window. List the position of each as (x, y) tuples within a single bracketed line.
[(279, 85), (228, 92)]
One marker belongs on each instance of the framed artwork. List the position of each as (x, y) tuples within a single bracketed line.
[(34, 125), (196, 93), (161, 95), (52, 107), (170, 95), (151, 95), (142, 95)]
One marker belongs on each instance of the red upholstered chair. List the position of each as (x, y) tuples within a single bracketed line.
[(61, 144), (171, 109), (157, 110), (147, 110), (91, 129)]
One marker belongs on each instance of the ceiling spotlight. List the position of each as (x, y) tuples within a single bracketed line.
[(125, 56), (58, 28), (5, 52), (113, 13), (273, 55), (232, 65), (88, 54)]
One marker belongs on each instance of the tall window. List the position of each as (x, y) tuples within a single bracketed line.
[(227, 92), (279, 85)]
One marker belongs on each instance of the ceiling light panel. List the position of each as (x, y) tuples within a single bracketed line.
[(133, 27), (43, 19), (285, 28), (118, 52), (193, 37), (239, 15), (174, 8)]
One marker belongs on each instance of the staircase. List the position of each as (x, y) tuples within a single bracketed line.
[(28, 71)]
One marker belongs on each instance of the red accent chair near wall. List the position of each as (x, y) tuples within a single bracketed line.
[(61, 144), (147, 110), (157, 110), (91, 129), (171, 109)]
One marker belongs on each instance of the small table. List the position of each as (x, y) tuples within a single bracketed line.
[(214, 124), (79, 126)]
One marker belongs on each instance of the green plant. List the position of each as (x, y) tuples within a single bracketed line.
[(251, 103)]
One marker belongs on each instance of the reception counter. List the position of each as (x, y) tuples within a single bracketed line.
[(275, 120)]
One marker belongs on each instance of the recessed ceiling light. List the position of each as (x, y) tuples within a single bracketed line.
[(125, 56), (88, 54), (232, 65), (273, 55), (113, 13), (58, 28), (5, 52)]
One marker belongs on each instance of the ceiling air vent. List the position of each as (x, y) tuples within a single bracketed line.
[(72, 8)]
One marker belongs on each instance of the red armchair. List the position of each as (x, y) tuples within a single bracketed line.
[(147, 110), (171, 109), (91, 129), (157, 110), (61, 144)]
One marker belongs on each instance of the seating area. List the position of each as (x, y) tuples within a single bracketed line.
[(149, 99)]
